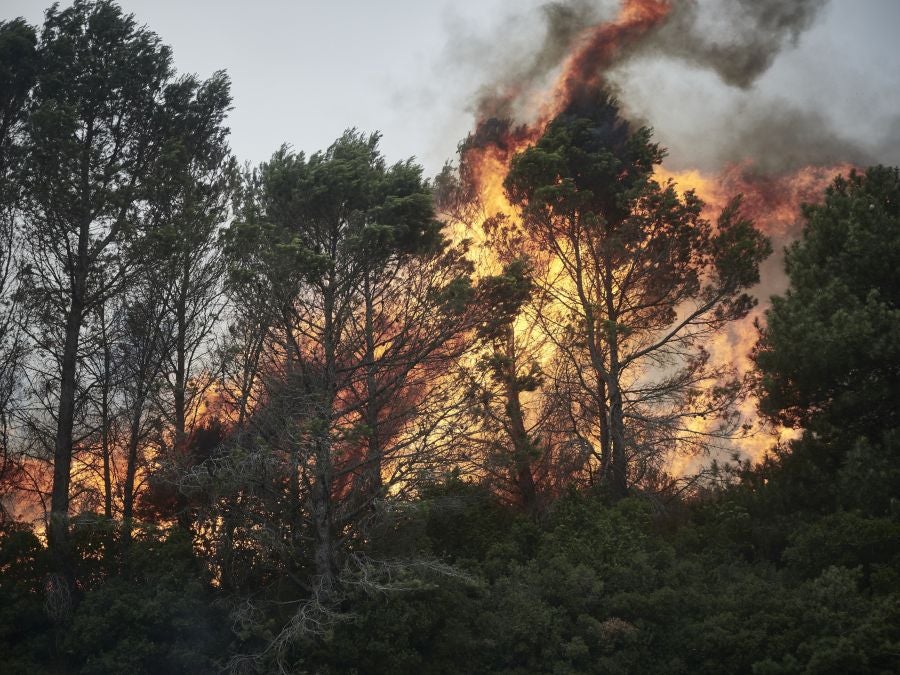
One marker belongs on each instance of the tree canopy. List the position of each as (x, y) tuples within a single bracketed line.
[(638, 280), (828, 354)]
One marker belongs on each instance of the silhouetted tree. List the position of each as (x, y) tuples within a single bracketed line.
[(638, 282)]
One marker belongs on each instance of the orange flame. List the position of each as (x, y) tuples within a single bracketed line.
[(773, 202), (598, 48)]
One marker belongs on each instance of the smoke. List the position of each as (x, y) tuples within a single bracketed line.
[(787, 138), (889, 147), (565, 21), (520, 76), (738, 40), (774, 135)]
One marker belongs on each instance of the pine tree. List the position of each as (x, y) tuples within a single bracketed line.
[(638, 281)]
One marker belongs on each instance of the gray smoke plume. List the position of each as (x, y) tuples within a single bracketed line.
[(738, 40), (704, 78), (775, 135)]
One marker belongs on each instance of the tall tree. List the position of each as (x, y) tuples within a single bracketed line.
[(349, 258), (146, 342), (190, 199), (93, 142), (638, 280), (513, 442), (828, 354), (503, 375), (18, 66)]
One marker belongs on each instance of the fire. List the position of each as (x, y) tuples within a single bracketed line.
[(598, 49), (494, 143), (772, 201)]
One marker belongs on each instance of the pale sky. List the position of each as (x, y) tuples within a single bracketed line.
[(304, 71)]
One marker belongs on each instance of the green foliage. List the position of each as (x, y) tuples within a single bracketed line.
[(829, 354), (505, 294), (305, 218), (153, 617), (25, 630), (599, 589), (18, 67)]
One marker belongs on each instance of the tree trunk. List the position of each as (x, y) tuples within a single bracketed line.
[(58, 532), (618, 482), (324, 553), (603, 425), (619, 466), (104, 432), (131, 473), (323, 518), (179, 393), (522, 449), (370, 487)]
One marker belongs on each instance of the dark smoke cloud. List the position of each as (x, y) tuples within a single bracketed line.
[(738, 40), (698, 78), (775, 135), (564, 23), (889, 145), (785, 138)]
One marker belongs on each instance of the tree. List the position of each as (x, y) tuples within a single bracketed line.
[(637, 281), (362, 301), (503, 375), (190, 201), (18, 64), (515, 441), (828, 353), (93, 142)]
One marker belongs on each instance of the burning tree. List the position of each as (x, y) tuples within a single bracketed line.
[(636, 280)]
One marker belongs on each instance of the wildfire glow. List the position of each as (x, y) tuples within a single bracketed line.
[(772, 201)]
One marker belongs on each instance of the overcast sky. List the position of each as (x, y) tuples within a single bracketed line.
[(304, 70)]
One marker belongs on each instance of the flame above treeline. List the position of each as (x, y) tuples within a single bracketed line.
[(512, 119), (495, 142)]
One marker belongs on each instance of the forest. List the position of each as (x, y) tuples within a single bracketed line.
[(327, 414)]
